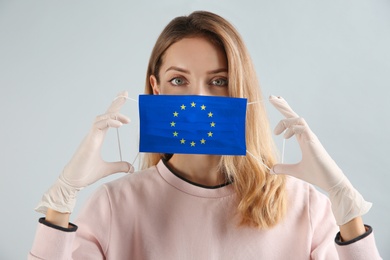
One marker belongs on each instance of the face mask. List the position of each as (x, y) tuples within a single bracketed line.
[(155, 112), (190, 124)]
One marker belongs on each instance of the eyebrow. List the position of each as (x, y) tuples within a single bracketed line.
[(217, 71), (188, 72), (178, 69)]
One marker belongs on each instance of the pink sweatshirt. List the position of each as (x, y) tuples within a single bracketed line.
[(154, 214)]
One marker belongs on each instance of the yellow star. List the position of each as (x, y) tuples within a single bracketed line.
[(175, 133), (182, 141), (202, 141), (175, 114), (192, 143), (210, 134), (203, 107), (193, 104), (183, 107), (173, 124), (212, 124), (210, 114)]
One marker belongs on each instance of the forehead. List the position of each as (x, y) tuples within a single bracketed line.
[(195, 51)]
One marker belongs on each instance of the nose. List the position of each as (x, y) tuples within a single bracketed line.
[(200, 90)]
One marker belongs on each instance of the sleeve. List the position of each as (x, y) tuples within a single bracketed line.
[(362, 247), (324, 227), (90, 241), (52, 242)]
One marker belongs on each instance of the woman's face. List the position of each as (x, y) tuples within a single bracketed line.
[(192, 66)]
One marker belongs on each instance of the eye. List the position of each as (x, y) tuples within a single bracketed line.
[(177, 81), (220, 82)]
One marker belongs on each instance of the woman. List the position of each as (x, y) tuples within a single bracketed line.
[(187, 206)]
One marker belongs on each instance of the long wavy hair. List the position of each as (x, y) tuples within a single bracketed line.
[(261, 195)]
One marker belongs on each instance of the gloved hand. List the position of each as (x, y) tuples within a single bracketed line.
[(317, 167), (86, 165)]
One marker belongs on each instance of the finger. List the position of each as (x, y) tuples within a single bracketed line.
[(118, 102), (289, 169), (120, 117), (115, 167), (295, 130), (106, 123), (280, 104), (288, 123), (123, 119)]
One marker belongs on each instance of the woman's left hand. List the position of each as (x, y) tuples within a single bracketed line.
[(317, 167)]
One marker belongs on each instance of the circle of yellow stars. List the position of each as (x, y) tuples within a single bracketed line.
[(192, 143)]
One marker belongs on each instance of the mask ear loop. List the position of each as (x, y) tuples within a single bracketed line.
[(118, 136), (257, 159), (283, 146), (283, 149), (119, 144)]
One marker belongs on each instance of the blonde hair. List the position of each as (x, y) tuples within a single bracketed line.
[(261, 195)]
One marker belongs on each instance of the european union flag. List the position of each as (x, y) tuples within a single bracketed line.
[(192, 124)]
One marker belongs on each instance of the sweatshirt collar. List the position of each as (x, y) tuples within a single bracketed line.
[(191, 188)]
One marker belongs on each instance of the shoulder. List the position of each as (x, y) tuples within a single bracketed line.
[(303, 196), (139, 176), (307, 202), (124, 189), (301, 191), (135, 182)]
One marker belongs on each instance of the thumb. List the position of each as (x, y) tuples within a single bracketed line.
[(289, 169), (115, 167)]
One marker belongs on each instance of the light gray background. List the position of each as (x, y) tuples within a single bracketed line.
[(62, 62)]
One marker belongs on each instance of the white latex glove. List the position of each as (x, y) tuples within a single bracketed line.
[(86, 165), (317, 167)]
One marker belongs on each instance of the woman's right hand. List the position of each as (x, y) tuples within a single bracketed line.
[(87, 165)]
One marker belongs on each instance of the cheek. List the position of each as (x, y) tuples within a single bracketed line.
[(170, 90), (207, 91), (220, 91)]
